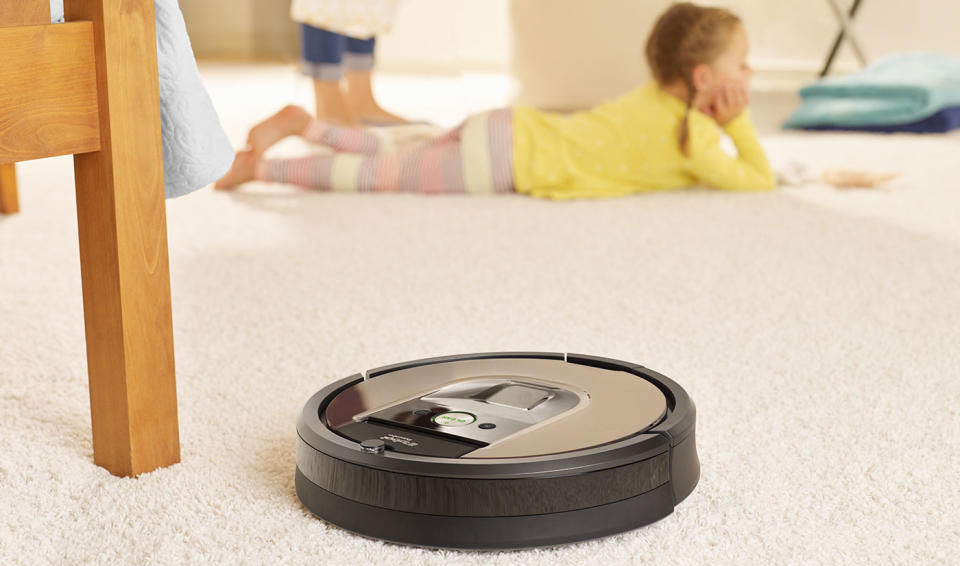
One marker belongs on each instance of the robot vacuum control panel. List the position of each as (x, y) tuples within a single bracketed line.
[(465, 415)]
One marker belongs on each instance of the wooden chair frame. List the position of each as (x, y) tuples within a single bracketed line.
[(89, 88)]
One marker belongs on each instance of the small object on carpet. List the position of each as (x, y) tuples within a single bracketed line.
[(852, 178)]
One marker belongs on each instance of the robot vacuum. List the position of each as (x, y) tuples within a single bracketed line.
[(497, 450)]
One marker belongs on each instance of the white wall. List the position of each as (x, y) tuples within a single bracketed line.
[(791, 34), (241, 29), (787, 35), (575, 53), (448, 35), (429, 35), (456, 35)]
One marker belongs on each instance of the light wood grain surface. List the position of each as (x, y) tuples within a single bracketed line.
[(24, 12), (9, 202), (48, 91)]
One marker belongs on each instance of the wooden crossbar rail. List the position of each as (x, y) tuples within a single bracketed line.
[(48, 92), (17, 13)]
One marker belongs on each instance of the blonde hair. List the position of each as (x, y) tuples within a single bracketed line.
[(687, 35)]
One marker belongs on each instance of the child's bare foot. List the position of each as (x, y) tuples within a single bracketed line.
[(242, 171), (289, 121)]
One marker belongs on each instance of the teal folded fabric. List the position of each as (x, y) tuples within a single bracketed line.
[(897, 89)]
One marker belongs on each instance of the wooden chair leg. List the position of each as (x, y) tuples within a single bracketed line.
[(123, 248), (9, 203)]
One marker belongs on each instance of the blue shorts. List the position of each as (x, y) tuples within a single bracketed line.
[(326, 54)]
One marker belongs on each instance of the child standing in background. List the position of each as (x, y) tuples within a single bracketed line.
[(338, 42), (661, 136)]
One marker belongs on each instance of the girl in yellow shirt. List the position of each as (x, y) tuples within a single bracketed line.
[(664, 135)]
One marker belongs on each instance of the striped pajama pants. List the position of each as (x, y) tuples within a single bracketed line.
[(475, 157)]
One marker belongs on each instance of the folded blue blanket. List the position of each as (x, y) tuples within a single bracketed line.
[(196, 151), (943, 121), (895, 90)]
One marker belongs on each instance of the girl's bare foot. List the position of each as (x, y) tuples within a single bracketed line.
[(242, 171), (289, 121)]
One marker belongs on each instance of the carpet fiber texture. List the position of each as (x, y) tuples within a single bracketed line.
[(815, 329)]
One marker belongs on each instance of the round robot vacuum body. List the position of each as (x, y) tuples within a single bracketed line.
[(497, 451)]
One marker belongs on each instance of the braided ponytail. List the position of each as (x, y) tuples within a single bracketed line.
[(687, 35)]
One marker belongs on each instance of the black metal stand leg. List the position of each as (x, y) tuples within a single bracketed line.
[(839, 41)]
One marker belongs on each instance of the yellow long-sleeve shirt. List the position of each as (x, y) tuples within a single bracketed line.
[(631, 145)]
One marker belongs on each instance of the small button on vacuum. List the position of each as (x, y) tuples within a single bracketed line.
[(372, 446), (454, 418), (487, 426)]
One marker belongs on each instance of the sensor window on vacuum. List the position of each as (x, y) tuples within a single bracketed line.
[(517, 396)]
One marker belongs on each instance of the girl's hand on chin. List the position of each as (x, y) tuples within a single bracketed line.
[(728, 102)]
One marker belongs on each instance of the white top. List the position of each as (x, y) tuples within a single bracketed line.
[(356, 18)]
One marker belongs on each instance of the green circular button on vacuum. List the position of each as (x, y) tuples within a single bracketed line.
[(454, 419)]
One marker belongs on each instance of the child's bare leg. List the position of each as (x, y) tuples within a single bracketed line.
[(359, 94), (242, 171), (332, 104), (290, 121)]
